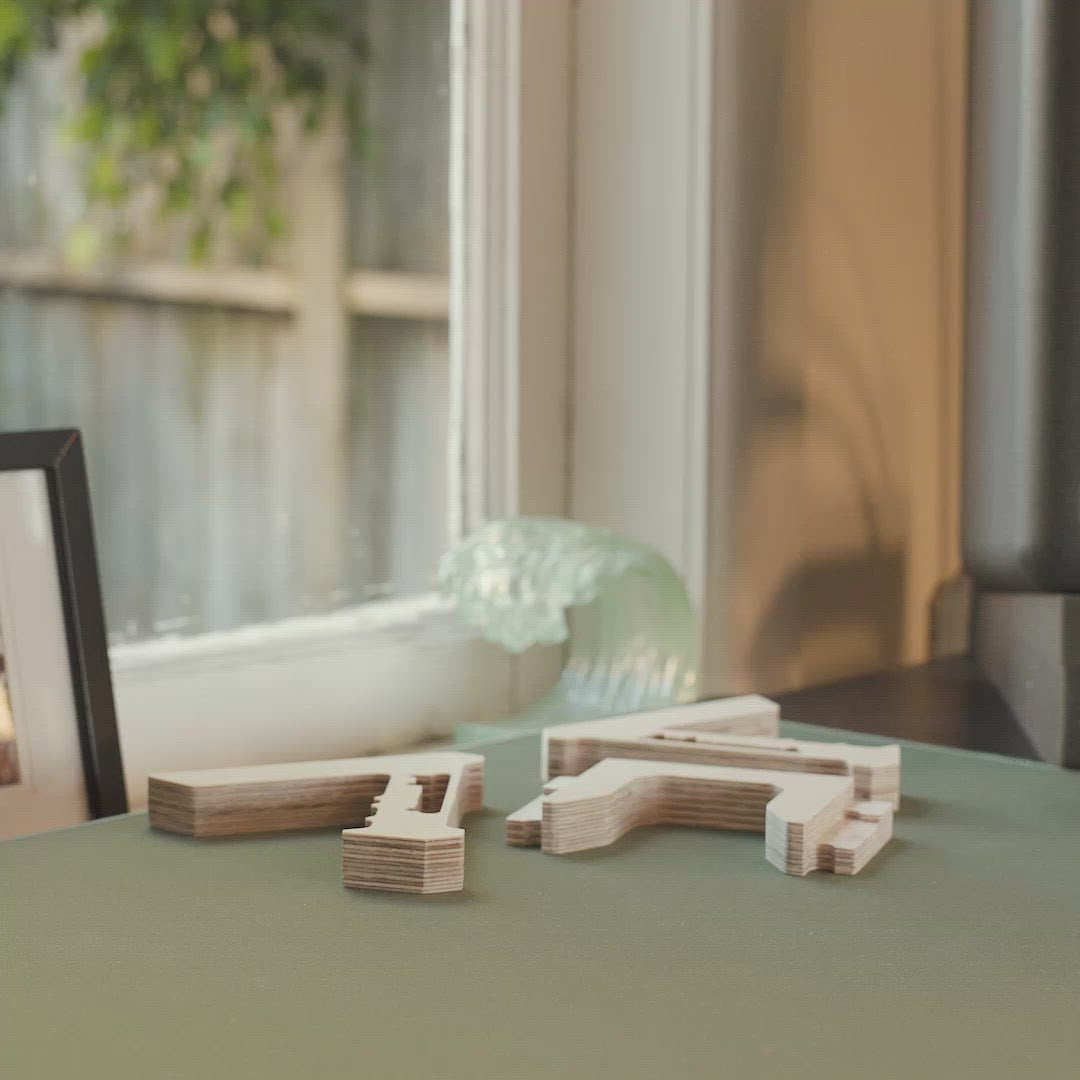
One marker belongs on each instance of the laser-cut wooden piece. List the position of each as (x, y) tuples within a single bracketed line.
[(405, 850), (523, 826), (569, 749), (413, 804), (811, 821), (875, 770), (678, 735)]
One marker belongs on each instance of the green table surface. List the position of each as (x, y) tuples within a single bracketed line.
[(126, 952)]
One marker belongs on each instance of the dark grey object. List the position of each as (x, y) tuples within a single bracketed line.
[(1021, 521), (948, 702), (1028, 646), (59, 455), (1022, 430)]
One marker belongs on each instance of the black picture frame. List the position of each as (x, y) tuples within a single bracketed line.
[(59, 454)]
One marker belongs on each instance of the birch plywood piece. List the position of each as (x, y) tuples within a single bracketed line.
[(412, 804), (408, 845), (875, 770), (569, 749), (523, 827), (684, 735), (811, 821)]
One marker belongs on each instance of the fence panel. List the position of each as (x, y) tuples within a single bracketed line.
[(192, 415)]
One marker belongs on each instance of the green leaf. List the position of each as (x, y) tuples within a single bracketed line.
[(239, 204), (90, 123), (199, 247), (146, 129), (276, 226), (189, 81), (179, 194), (83, 247), (93, 60), (106, 179), (14, 27), (164, 53), (236, 59)]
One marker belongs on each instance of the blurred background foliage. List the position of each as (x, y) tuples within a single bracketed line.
[(189, 107)]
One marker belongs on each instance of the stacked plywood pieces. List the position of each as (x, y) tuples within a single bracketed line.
[(411, 842), (569, 749), (412, 804), (524, 826), (736, 738), (811, 821), (735, 731)]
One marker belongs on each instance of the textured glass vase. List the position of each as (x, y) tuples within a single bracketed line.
[(633, 643)]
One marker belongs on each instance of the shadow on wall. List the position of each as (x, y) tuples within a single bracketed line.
[(837, 390), (848, 617)]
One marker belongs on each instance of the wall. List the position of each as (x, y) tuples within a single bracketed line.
[(837, 216)]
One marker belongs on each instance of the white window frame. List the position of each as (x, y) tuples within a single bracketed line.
[(390, 673), (591, 365), (597, 346), (653, 211)]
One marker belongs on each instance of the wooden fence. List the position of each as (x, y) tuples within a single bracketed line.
[(262, 441)]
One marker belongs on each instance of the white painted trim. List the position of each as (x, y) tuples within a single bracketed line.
[(463, 316), (540, 397), (699, 296), (413, 619), (510, 194), (543, 185), (484, 273), (726, 294), (510, 345), (643, 183), (374, 690)]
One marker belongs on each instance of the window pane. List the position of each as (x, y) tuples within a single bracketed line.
[(280, 453), (399, 187)]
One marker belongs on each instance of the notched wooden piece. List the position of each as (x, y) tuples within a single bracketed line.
[(811, 821), (412, 804), (523, 826), (736, 731), (407, 847), (569, 749)]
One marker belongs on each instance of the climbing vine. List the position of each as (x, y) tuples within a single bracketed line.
[(181, 102)]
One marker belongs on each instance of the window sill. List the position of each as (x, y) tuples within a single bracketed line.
[(362, 681), (425, 619)]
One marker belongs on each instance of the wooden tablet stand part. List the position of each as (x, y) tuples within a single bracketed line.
[(412, 804), (811, 822), (735, 731)]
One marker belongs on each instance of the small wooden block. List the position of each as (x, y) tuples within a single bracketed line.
[(407, 847), (811, 821), (412, 803)]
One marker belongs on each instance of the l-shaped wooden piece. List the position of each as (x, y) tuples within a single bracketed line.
[(811, 821), (736, 731), (412, 804)]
